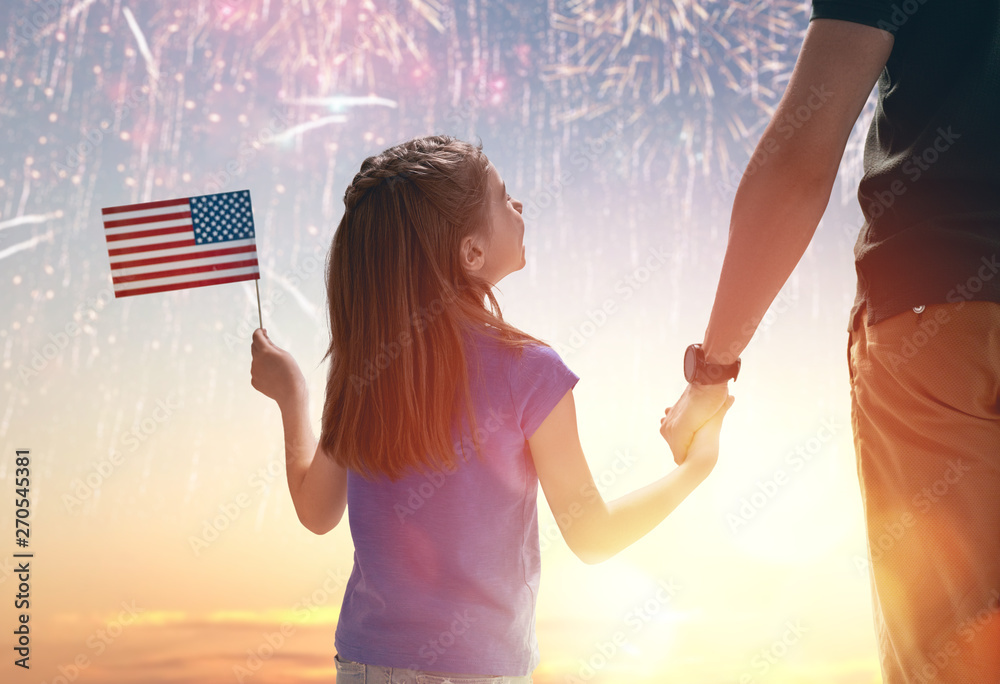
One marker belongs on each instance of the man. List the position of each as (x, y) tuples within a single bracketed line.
[(924, 343)]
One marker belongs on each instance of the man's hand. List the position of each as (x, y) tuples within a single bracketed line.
[(273, 371), (704, 450), (697, 406)]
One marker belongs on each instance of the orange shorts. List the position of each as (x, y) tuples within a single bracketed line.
[(925, 392)]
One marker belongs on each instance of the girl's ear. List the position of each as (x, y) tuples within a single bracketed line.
[(471, 254)]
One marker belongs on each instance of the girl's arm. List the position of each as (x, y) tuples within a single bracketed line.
[(317, 484), (594, 529)]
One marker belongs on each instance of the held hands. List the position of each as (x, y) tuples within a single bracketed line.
[(273, 371), (691, 426)]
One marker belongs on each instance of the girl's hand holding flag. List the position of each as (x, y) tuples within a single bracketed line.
[(274, 373)]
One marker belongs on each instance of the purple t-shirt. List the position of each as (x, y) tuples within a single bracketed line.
[(446, 564)]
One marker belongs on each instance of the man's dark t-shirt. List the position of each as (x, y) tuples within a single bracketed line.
[(931, 188)]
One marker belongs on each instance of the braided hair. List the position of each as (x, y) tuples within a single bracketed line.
[(370, 177)]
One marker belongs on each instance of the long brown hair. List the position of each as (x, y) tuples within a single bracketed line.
[(400, 301)]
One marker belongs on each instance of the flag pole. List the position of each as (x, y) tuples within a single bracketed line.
[(259, 317)]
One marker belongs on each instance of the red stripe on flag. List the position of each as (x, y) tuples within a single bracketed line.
[(147, 219), (148, 233), (183, 257), (183, 271), (184, 286), (151, 248), (146, 205)]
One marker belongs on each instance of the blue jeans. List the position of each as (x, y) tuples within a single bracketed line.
[(349, 672)]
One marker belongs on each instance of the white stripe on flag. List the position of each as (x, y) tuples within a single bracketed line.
[(153, 240), (192, 277), (143, 213), (172, 223), (187, 263), (175, 251)]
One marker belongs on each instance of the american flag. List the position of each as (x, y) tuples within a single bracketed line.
[(181, 243)]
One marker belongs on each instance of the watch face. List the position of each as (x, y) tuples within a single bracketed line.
[(690, 363)]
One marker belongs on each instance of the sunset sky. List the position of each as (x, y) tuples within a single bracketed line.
[(166, 548)]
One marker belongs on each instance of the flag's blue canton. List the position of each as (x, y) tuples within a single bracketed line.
[(222, 217)]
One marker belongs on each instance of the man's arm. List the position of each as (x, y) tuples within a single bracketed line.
[(782, 196), (781, 199)]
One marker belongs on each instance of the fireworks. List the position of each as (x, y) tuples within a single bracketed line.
[(692, 81), (107, 102)]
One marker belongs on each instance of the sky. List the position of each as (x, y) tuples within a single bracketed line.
[(165, 546)]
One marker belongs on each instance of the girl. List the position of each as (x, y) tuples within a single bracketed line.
[(440, 420)]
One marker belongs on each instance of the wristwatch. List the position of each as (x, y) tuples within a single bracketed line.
[(700, 372)]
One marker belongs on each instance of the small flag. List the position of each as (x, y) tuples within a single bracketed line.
[(181, 243)]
